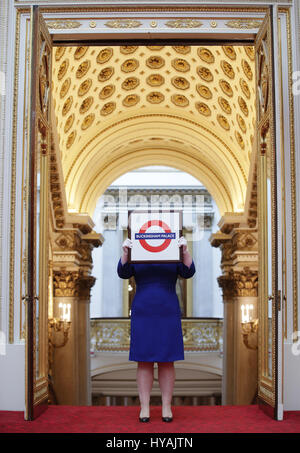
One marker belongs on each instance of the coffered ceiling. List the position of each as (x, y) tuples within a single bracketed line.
[(96, 89)]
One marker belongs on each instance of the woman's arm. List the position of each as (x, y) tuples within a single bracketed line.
[(187, 259)]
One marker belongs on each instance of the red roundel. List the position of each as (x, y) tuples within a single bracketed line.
[(146, 226)]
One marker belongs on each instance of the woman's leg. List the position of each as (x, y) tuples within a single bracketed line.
[(145, 382), (166, 379)]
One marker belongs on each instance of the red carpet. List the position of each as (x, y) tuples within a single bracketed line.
[(120, 419)]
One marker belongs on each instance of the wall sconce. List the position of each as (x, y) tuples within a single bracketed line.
[(58, 325), (249, 325)]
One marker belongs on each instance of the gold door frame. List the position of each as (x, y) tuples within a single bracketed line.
[(37, 183), (78, 37)]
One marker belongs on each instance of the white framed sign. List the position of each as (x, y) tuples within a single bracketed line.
[(154, 235)]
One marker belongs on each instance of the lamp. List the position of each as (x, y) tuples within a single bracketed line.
[(59, 325), (249, 325)]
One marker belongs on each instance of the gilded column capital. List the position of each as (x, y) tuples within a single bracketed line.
[(65, 283), (85, 283), (242, 283)]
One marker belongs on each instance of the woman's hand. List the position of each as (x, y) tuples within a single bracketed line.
[(182, 242), (187, 259), (127, 244)]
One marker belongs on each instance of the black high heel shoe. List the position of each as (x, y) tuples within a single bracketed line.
[(144, 419), (167, 419)]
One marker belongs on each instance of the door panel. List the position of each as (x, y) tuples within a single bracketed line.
[(268, 155), (37, 225)]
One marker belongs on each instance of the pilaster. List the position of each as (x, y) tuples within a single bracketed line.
[(239, 283)]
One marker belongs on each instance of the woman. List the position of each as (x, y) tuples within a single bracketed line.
[(156, 333)]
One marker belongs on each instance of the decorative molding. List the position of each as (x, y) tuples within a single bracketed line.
[(203, 335), (123, 23), (184, 23), (63, 24), (243, 24)]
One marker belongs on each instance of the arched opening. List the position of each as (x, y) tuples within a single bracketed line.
[(198, 379)]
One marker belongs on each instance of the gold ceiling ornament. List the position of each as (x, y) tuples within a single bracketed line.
[(67, 105), (155, 47), (223, 122), (107, 91), (130, 83), (83, 69), (204, 91), (179, 100), (63, 69), (184, 23), (71, 139), (80, 52), (247, 69), (106, 74), (65, 88), (69, 123), (227, 69), (239, 139), (88, 121), (182, 49), (180, 82), (130, 65), (84, 87), (226, 87), (245, 88), (203, 108), (63, 24), (229, 52), (59, 53), (180, 65), (128, 49), (243, 106), (241, 123), (104, 55), (123, 23), (155, 62), (206, 55), (155, 97), (250, 51), (155, 80), (108, 108), (205, 73), (86, 104), (244, 23), (131, 100), (224, 104)]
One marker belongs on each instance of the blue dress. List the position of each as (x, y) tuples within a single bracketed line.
[(156, 333)]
